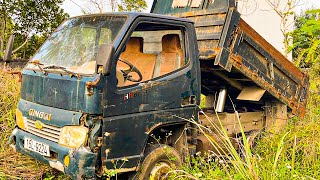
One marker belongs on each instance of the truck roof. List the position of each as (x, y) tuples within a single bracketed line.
[(133, 15)]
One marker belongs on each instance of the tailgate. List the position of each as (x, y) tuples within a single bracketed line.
[(243, 49)]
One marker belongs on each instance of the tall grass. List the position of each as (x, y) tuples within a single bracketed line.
[(9, 95), (292, 153), (14, 165)]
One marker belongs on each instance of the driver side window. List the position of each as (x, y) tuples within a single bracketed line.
[(152, 51)]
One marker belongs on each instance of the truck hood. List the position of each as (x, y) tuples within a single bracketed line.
[(60, 91), (49, 115)]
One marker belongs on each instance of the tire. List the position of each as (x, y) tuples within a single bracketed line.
[(158, 162)]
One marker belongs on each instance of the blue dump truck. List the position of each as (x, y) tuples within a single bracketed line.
[(121, 91)]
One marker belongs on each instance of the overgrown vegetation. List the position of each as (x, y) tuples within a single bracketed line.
[(15, 165), (292, 153)]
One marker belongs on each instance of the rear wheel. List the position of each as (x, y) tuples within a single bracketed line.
[(158, 162)]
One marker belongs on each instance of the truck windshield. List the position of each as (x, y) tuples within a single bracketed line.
[(74, 45)]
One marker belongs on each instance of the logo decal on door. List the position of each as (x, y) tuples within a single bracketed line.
[(128, 96)]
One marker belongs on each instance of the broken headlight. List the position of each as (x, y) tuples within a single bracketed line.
[(73, 136)]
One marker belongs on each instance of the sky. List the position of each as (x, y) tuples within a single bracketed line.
[(74, 10)]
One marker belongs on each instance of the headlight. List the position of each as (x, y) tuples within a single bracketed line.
[(73, 136), (20, 119)]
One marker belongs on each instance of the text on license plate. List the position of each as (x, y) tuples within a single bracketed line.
[(36, 146)]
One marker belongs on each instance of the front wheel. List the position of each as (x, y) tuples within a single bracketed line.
[(158, 162)]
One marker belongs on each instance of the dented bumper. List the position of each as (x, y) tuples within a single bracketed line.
[(77, 163)]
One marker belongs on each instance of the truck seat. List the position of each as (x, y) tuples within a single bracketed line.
[(171, 57), (133, 54)]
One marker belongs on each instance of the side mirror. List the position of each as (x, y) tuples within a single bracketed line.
[(104, 58), (8, 51)]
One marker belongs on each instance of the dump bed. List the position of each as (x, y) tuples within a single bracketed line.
[(234, 52)]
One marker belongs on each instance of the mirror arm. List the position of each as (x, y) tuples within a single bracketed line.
[(104, 58), (16, 73), (94, 82)]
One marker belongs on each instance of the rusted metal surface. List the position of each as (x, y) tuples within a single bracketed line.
[(284, 63), (234, 44), (134, 130), (18, 73), (82, 161), (224, 37), (94, 82), (209, 18), (209, 28), (269, 69), (250, 121), (46, 90)]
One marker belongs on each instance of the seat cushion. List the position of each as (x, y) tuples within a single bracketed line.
[(143, 62)]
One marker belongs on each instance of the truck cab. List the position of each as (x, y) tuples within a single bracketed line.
[(103, 87)]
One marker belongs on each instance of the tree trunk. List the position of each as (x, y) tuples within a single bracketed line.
[(113, 5), (1, 46), (21, 46)]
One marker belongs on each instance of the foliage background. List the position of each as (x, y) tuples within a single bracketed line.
[(30, 21)]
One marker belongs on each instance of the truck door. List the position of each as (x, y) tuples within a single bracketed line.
[(154, 81)]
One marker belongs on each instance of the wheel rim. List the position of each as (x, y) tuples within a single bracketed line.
[(159, 171)]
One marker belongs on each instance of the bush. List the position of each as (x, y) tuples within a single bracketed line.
[(9, 96)]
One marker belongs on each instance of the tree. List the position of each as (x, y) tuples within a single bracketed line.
[(6, 24), (285, 9), (29, 19), (132, 5), (101, 6), (306, 39), (306, 49)]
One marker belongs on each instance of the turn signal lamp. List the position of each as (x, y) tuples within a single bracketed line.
[(66, 160), (20, 119)]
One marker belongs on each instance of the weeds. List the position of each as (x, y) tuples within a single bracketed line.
[(9, 96), (292, 153), (15, 165)]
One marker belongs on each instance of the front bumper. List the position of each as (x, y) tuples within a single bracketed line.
[(82, 161)]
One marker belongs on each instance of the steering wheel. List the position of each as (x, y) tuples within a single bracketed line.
[(132, 69)]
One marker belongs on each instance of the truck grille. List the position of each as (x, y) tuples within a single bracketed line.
[(47, 132)]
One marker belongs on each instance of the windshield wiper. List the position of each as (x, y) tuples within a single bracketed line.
[(63, 69), (38, 64)]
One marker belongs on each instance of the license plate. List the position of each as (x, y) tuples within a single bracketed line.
[(36, 146)]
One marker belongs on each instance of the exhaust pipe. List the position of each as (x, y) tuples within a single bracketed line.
[(221, 100)]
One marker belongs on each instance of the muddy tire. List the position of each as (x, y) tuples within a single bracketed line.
[(158, 162)]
